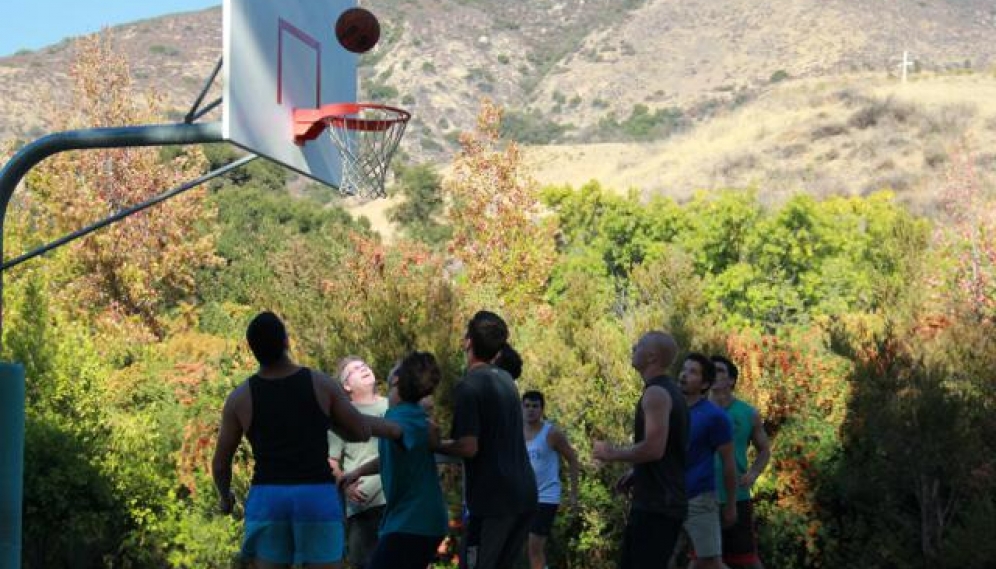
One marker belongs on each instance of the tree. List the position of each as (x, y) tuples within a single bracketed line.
[(500, 235), (421, 187), (130, 274)]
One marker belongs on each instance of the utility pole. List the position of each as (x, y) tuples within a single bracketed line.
[(905, 65)]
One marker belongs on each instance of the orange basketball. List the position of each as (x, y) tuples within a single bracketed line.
[(357, 30)]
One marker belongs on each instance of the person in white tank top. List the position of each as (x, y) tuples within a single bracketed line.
[(546, 445)]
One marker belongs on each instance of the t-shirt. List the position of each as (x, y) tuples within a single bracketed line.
[(741, 416), (659, 485), (353, 455), (408, 474), (499, 480), (709, 430)]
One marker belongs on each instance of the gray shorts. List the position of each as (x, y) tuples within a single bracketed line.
[(703, 525)]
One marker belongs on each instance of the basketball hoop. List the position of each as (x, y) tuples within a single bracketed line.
[(365, 136)]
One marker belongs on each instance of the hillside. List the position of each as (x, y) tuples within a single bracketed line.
[(844, 135), (661, 95)]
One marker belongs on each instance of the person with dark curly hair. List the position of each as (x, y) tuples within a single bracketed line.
[(414, 521)]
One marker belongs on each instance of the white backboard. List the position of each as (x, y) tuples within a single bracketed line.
[(282, 55)]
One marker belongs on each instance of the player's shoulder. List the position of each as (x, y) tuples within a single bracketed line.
[(743, 406)]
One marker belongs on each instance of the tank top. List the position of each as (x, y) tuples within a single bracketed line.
[(288, 431), (659, 485), (546, 466)]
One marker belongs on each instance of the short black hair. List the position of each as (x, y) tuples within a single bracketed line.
[(708, 368), (535, 396), (418, 375), (267, 338), (488, 334), (731, 368), (509, 360)]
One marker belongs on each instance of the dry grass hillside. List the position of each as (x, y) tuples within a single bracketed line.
[(680, 52), (785, 96), (842, 135)]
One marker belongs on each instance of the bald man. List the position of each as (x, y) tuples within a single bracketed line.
[(656, 481)]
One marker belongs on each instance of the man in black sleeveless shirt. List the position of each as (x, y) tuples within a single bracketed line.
[(656, 482), (292, 514)]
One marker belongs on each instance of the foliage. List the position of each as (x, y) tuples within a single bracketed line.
[(418, 215), (642, 124), (530, 128), (129, 275), (501, 239)]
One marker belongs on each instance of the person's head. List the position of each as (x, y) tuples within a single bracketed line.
[(726, 374), (486, 335), (697, 374), (654, 353), (533, 405), (267, 338), (415, 378), (356, 376), (509, 360)]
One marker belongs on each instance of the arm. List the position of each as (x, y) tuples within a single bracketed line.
[(229, 437), (762, 443), (464, 447), (384, 429), (558, 441), (466, 424), (656, 416), (368, 468), (434, 441), (729, 483), (348, 423)]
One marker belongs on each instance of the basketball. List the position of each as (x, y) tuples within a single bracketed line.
[(357, 30)]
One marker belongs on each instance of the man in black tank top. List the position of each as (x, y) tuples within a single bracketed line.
[(656, 482), (284, 410)]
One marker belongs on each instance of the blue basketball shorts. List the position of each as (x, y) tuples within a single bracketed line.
[(294, 524)]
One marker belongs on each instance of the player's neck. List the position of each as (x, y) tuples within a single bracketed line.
[(365, 397), (693, 398), (723, 399), (281, 368), (473, 362)]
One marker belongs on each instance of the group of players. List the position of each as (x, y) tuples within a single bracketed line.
[(380, 459)]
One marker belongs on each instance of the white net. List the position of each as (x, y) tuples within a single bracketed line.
[(366, 140)]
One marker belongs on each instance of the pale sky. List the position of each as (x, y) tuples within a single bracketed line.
[(33, 24)]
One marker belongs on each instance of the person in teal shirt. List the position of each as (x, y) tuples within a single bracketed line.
[(414, 521), (739, 542)]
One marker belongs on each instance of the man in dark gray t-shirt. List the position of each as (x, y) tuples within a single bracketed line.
[(487, 434)]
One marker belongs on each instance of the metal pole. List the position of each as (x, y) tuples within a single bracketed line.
[(11, 462), (12, 391)]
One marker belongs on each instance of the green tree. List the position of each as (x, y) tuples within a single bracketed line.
[(418, 214)]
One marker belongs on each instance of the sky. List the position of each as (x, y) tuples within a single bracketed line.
[(33, 24)]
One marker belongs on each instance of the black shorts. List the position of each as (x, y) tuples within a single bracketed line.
[(740, 539), (542, 521), (494, 542), (649, 540), (404, 551)]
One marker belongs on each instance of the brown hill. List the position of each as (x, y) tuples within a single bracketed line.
[(574, 71)]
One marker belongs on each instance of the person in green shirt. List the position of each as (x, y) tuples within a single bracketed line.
[(739, 541), (365, 497)]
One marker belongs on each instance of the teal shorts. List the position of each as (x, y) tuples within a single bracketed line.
[(294, 524)]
